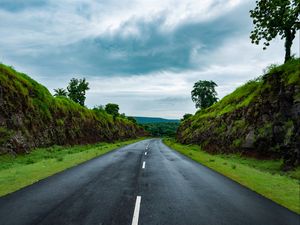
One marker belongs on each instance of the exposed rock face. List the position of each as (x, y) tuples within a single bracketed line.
[(30, 117), (268, 126)]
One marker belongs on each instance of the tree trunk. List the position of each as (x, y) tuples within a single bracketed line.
[(289, 37)]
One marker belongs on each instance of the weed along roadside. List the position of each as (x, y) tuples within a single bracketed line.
[(22, 170), (262, 176)]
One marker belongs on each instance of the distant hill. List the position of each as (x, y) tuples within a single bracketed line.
[(143, 120)]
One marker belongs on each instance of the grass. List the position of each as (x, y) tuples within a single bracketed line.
[(23, 170), (261, 176), (46, 109), (247, 93)]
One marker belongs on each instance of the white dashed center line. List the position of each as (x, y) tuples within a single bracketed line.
[(145, 153), (135, 219), (144, 164)]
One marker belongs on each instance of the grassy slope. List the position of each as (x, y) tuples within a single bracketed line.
[(261, 176), (245, 94), (254, 109), (23, 170), (28, 107)]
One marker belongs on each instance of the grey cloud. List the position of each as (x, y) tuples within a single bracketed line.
[(152, 51), (194, 50)]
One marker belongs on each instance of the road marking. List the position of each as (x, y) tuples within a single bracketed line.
[(145, 153), (135, 219), (144, 164)]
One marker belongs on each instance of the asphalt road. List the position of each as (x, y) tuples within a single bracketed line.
[(130, 186)]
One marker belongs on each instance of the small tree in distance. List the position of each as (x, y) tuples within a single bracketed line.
[(112, 109), (77, 89), (276, 17), (186, 116), (204, 94), (60, 92)]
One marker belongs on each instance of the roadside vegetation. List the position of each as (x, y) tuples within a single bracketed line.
[(32, 117), (22, 170), (161, 129), (262, 176), (259, 118)]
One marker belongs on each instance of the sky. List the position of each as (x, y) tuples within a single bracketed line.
[(144, 55)]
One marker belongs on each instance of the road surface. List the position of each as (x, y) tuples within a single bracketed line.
[(145, 183)]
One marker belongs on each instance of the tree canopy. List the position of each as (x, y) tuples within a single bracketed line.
[(204, 94), (186, 116), (60, 92), (276, 17), (77, 89), (112, 109)]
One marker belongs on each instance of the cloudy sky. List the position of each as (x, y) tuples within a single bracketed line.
[(144, 55)]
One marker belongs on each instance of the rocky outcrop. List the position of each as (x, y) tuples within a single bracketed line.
[(31, 117), (261, 118)]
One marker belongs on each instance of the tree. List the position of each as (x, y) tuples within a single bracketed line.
[(186, 116), (204, 94), (276, 17), (60, 92), (112, 109), (77, 89)]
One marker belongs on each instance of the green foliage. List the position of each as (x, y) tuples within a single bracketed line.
[(99, 108), (276, 17), (132, 119), (39, 113), (237, 142), (204, 94), (187, 116), (161, 129), (5, 134), (290, 70), (60, 92), (60, 122), (112, 109), (269, 68), (241, 97), (249, 119), (77, 89)]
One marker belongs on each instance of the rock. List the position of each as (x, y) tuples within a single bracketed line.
[(249, 140)]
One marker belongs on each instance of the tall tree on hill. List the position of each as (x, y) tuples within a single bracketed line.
[(276, 17), (204, 94), (60, 92), (77, 89)]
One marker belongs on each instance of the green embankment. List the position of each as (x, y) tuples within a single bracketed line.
[(260, 118), (31, 117), (262, 176), (23, 170)]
